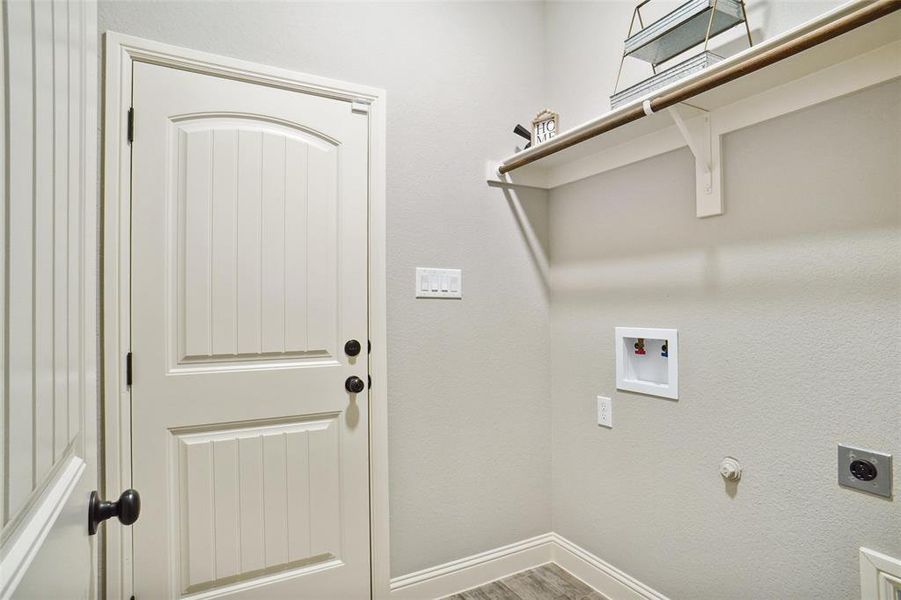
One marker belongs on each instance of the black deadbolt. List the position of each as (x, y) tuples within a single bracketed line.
[(127, 508), (352, 348), (354, 385), (863, 470)]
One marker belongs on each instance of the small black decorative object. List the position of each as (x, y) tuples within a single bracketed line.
[(127, 508), (523, 132)]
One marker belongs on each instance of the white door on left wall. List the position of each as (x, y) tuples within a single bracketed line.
[(48, 347)]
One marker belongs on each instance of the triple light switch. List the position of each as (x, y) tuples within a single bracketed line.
[(439, 283)]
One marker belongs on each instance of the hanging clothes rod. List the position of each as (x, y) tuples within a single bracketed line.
[(867, 13)]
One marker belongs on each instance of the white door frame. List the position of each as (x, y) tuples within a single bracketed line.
[(121, 52)]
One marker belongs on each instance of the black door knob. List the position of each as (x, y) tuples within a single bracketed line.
[(127, 508), (352, 347), (354, 384)]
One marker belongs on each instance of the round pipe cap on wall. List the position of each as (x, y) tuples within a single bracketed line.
[(730, 469)]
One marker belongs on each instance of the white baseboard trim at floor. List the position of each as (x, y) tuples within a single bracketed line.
[(479, 569), (599, 574), (473, 571)]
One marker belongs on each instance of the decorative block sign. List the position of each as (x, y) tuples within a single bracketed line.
[(545, 126)]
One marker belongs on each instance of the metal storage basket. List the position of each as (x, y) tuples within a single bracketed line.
[(663, 78), (692, 23), (687, 26)]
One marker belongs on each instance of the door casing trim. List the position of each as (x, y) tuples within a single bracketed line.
[(120, 53)]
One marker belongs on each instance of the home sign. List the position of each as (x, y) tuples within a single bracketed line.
[(545, 126)]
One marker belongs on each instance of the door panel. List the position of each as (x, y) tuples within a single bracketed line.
[(270, 489), (249, 271), (48, 304), (244, 288)]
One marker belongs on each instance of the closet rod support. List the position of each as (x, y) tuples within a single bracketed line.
[(705, 145)]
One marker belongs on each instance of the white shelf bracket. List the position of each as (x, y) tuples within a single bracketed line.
[(534, 177), (705, 144)]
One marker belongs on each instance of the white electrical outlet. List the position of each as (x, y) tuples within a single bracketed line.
[(605, 412)]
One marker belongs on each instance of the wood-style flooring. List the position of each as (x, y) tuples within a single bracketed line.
[(547, 582)]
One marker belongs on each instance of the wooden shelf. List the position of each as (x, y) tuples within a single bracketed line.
[(865, 56)]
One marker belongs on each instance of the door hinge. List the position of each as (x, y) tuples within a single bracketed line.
[(128, 370), (131, 125)]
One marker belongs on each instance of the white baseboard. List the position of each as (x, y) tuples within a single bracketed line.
[(599, 574), (473, 571)]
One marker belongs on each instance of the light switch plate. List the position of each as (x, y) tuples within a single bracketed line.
[(605, 412), (439, 283), (881, 485)]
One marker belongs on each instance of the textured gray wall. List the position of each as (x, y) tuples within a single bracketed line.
[(789, 316), (469, 410)]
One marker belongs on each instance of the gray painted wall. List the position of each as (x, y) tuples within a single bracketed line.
[(469, 410), (789, 329)]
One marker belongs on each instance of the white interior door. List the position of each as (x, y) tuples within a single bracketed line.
[(249, 274), (49, 299)]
